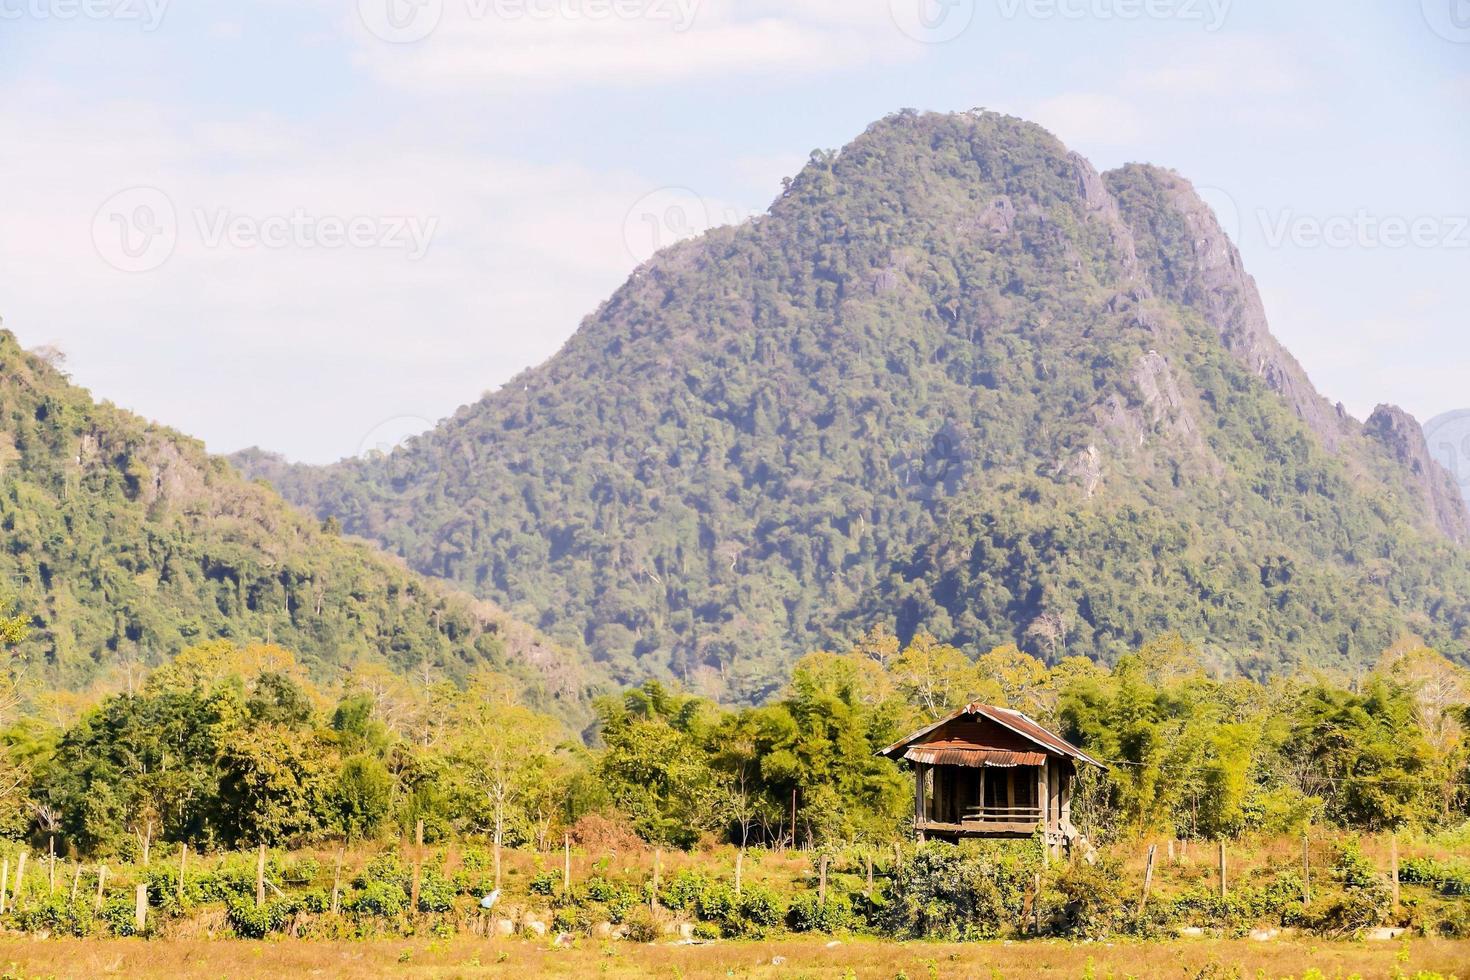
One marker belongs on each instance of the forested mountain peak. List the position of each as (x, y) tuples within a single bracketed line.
[(955, 378), (126, 542)]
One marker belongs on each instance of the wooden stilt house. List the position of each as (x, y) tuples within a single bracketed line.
[(991, 772)]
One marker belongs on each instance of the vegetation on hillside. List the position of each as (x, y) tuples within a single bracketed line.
[(125, 543), (936, 384)]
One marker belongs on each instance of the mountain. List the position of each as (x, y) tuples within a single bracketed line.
[(125, 542), (957, 379)]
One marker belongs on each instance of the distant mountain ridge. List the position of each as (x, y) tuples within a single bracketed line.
[(126, 542), (957, 379)]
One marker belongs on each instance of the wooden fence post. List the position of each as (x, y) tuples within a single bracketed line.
[(1148, 877), (822, 883), (1224, 889), (1171, 850), (147, 842), (183, 857), (793, 818), (739, 869), (418, 866), (76, 881), (1393, 860), (51, 867), (566, 864), (101, 877), (4, 882), (260, 877), (20, 872), (658, 857), (140, 908), (1036, 906), (869, 892), (337, 883), (1306, 870)]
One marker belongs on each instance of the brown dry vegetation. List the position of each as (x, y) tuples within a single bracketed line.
[(808, 957)]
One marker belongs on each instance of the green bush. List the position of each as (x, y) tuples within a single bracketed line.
[(378, 898), (1086, 899), (683, 890), (618, 897), (571, 918), (436, 893), (717, 903), (1450, 877), (120, 916), (59, 915), (386, 868), (544, 883), (808, 914), (252, 922), (758, 910), (641, 926), (1358, 898), (976, 890)]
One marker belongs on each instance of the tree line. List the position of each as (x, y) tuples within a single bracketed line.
[(231, 745)]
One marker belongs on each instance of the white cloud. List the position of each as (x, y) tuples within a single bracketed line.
[(245, 341), (555, 44)]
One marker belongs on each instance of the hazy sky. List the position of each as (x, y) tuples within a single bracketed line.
[(315, 225)]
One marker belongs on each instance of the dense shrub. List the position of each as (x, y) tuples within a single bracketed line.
[(59, 915), (808, 914), (976, 890), (436, 893), (1087, 899), (1450, 877), (378, 898), (1356, 898), (682, 891), (641, 928)]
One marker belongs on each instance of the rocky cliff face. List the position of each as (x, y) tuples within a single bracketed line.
[(1192, 261), (1189, 259), (1401, 434)]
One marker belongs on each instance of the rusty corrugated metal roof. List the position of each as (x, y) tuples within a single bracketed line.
[(937, 755), (1006, 717), (1022, 725)]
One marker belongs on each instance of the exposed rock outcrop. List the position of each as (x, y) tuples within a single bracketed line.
[(1404, 438), (1212, 280)]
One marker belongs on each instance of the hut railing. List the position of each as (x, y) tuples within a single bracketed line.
[(1003, 814)]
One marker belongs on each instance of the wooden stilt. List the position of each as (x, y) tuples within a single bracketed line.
[(260, 877)]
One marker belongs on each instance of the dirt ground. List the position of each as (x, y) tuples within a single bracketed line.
[(858, 958)]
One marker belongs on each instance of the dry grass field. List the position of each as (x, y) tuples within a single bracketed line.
[(800, 957)]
